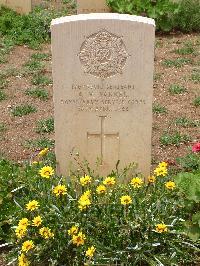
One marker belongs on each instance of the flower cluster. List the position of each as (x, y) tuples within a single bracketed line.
[(161, 170), (84, 200)]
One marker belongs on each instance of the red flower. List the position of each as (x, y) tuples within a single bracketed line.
[(196, 147)]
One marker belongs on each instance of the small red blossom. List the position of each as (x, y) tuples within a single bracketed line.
[(196, 147)]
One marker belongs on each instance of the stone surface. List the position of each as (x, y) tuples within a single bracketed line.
[(92, 6), (103, 79), (20, 6)]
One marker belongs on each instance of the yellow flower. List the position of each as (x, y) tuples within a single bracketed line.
[(20, 231), (37, 221), (85, 180), (46, 232), (46, 171), (170, 185), (32, 205), (34, 163), (152, 179), (109, 181), (163, 164), (43, 152), (84, 203), (79, 239), (60, 190), (73, 230), (125, 200), (23, 222), (101, 189), (161, 228), (23, 261), (160, 171), (136, 182), (27, 245), (90, 252)]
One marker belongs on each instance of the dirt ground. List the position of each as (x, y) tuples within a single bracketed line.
[(21, 129)]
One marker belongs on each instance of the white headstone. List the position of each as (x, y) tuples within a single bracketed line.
[(103, 80)]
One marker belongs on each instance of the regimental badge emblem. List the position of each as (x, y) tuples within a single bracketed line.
[(103, 54)]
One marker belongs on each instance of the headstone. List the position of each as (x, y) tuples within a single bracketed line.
[(92, 6), (103, 79), (20, 6)]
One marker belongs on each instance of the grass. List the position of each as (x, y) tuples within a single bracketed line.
[(45, 126), (40, 93), (41, 56), (39, 79), (2, 127), (195, 76), (179, 62), (6, 45), (22, 110), (2, 95), (185, 122), (186, 49), (174, 139), (34, 66), (159, 109), (176, 89), (40, 143), (196, 101)]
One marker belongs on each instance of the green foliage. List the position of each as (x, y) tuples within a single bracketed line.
[(190, 162), (2, 127), (45, 125), (34, 65), (2, 95), (6, 45), (40, 56), (187, 49), (121, 234), (161, 10), (185, 122), (189, 185), (178, 62), (196, 76), (32, 29), (24, 109), (174, 139), (196, 101), (188, 17), (176, 89), (38, 93), (159, 109), (40, 143), (40, 79)]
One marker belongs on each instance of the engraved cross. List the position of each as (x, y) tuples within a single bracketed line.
[(102, 135)]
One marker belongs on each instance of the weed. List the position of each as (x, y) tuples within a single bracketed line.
[(159, 109), (41, 56), (39, 79), (196, 101), (187, 49), (173, 139), (45, 125), (6, 45), (40, 93), (34, 66), (3, 83), (176, 89), (2, 127), (32, 29), (2, 95), (22, 110), (195, 76), (39, 143), (157, 76), (179, 62), (185, 122)]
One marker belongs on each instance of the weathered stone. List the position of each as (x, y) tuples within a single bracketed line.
[(103, 79), (92, 6)]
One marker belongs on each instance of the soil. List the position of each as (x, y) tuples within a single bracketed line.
[(21, 129)]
